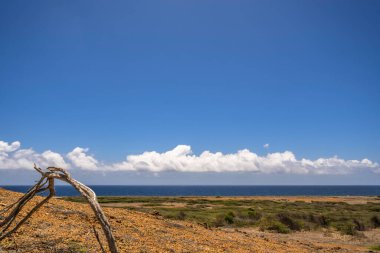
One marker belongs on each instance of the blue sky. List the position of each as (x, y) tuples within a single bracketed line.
[(125, 77)]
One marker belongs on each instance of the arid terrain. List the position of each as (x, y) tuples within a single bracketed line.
[(62, 226)]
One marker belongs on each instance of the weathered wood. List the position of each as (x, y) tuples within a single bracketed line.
[(46, 183)]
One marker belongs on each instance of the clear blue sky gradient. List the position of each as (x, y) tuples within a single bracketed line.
[(123, 77)]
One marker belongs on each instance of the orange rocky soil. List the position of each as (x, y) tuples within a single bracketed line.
[(62, 226)]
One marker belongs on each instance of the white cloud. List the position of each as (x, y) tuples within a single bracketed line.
[(182, 159), (81, 160), (266, 145), (12, 157), (6, 148)]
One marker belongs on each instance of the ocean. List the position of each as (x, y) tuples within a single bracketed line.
[(204, 190)]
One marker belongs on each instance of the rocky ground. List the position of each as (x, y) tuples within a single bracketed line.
[(62, 226)]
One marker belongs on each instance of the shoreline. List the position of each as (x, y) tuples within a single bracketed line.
[(219, 191), (291, 198)]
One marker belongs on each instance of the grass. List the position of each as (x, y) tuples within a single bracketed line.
[(375, 248), (278, 216), (271, 224), (75, 247)]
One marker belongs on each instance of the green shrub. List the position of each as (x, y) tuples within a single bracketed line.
[(375, 209), (229, 218), (279, 227), (253, 214), (320, 220), (359, 225), (375, 221), (291, 223), (269, 223), (181, 215), (347, 228), (375, 248), (219, 221)]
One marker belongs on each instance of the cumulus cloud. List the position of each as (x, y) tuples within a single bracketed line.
[(81, 160), (182, 159), (12, 157), (5, 147), (266, 145)]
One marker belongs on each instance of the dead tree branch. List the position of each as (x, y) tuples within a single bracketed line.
[(46, 183)]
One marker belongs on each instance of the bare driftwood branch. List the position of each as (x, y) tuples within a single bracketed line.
[(98, 239), (46, 183)]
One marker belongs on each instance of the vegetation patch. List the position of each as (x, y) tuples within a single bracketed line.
[(375, 248), (278, 216)]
